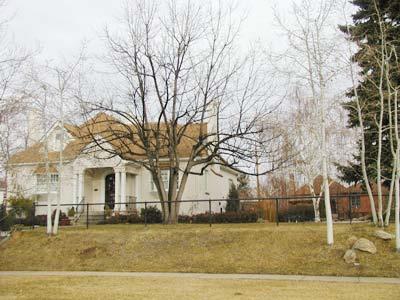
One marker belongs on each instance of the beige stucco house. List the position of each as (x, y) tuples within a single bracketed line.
[(96, 178)]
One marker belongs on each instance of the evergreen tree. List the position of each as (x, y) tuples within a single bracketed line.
[(365, 33), (233, 202)]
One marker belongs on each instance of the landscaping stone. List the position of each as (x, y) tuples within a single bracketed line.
[(350, 256), (351, 240), (383, 235), (365, 245)]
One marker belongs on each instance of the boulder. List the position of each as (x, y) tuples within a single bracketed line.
[(383, 235), (350, 256), (365, 245), (351, 240)]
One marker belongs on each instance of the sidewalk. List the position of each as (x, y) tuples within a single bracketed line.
[(207, 276)]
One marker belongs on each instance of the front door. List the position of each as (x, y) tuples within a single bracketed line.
[(110, 191)]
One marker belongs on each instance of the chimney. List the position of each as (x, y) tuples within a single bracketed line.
[(212, 117), (35, 127)]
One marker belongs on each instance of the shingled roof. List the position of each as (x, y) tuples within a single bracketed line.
[(112, 131)]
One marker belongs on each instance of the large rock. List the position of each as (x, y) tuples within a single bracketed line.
[(383, 235), (365, 245), (350, 256), (351, 240)]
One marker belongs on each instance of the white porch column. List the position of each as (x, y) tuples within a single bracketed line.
[(137, 188), (123, 191), (75, 189), (81, 191), (117, 191)]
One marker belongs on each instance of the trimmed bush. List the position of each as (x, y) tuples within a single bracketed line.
[(122, 219), (41, 220), (71, 212), (226, 217), (152, 213), (298, 212)]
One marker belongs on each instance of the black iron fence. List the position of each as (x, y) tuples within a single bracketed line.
[(299, 208)]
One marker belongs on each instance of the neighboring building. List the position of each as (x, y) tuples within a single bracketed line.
[(340, 197), (95, 177)]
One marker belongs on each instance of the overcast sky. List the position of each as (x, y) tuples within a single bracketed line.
[(60, 26)]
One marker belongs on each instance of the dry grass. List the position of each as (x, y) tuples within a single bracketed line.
[(184, 288), (230, 248)]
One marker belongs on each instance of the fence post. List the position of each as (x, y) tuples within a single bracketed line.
[(209, 212), (350, 208), (87, 215), (145, 214), (33, 214), (277, 211)]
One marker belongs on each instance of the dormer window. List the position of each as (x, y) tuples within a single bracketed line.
[(58, 139)]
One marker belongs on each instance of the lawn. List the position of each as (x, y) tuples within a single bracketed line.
[(225, 248), (14, 287)]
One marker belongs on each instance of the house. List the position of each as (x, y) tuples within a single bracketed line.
[(98, 179), (345, 201)]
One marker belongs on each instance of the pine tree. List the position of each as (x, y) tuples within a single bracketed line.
[(233, 202), (365, 33)]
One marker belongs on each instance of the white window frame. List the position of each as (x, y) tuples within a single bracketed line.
[(355, 201), (41, 183)]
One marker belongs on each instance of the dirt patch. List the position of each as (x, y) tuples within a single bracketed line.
[(91, 251)]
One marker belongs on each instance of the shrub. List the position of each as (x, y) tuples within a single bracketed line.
[(63, 219), (226, 217), (152, 213), (122, 219), (21, 207), (41, 220), (299, 212), (71, 212), (107, 211), (135, 219), (6, 220)]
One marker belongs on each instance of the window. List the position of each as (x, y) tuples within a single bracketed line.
[(165, 180), (355, 201), (41, 183)]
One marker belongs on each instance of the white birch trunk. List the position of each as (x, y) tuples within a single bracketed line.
[(397, 210), (361, 121), (328, 211), (60, 167), (47, 171)]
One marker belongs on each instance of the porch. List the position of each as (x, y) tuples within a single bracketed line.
[(106, 188)]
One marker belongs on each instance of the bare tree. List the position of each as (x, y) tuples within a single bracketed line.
[(185, 85), (13, 60), (305, 132), (52, 98), (41, 107), (311, 59)]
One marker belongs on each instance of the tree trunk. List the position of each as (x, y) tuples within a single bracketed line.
[(317, 217), (396, 212), (328, 211), (390, 198)]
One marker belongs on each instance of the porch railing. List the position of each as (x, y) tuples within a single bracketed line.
[(80, 208)]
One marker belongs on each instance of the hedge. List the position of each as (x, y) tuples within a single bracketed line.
[(225, 217)]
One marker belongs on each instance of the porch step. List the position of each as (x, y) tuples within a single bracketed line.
[(94, 218)]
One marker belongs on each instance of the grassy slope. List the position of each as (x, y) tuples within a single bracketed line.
[(183, 288), (230, 248)]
